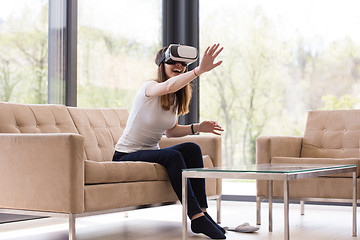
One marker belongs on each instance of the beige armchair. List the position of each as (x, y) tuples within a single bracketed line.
[(331, 137)]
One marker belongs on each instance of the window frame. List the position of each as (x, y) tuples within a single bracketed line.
[(62, 52)]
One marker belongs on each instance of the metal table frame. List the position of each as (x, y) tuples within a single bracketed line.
[(271, 176)]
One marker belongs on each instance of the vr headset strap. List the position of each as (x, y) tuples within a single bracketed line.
[(161, 60)]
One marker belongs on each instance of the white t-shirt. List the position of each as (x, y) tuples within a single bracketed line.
[(146, 124)]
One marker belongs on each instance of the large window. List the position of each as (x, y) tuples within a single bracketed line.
[(23, 51), (281, 59), (117, 43)]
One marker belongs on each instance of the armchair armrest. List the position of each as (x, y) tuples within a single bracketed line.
[(209, 144), (42, 172), (274, 146), (279, 146)]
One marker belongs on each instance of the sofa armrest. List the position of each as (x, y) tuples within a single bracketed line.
[(277, 146), (209, 144), (42, 172)]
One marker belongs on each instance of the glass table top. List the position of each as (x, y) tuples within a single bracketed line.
[(271, 168)]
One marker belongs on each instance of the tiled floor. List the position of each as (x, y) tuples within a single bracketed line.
[(164, 223)]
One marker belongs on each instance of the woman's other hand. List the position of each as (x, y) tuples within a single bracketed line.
[(211, 127)]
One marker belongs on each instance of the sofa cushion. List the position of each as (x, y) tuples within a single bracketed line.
[(112, 172), (101, 129), (334, 161), (129, 171), (35, 118), (100, 197)]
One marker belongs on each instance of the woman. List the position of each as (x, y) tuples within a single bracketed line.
[(155, 111)]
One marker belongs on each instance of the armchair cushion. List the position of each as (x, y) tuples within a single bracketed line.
[(322, 187), (335, 161)]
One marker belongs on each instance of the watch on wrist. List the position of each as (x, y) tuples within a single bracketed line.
[(192, 129)]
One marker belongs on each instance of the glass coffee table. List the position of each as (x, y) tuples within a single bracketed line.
[(271, 172)]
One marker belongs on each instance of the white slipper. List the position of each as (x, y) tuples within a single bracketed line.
[(244, 228)]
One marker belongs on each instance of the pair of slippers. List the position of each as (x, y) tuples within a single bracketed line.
[(244, 228)]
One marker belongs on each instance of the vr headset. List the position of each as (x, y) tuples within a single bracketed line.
[(179, 53)]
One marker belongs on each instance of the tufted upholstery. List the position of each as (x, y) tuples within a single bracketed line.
[(332, 134), (64, 155), (35, 118), (101, 128), (331, 137), (58, 159)]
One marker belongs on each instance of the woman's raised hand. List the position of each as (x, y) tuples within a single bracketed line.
[(207, 62)]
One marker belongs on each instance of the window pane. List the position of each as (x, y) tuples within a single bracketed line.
[(23, 51), (58, 47), (117, 43), (281, 59)]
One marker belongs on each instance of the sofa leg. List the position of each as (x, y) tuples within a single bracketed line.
[(72, 227), (302, 207), (218, 209), (258, 211)]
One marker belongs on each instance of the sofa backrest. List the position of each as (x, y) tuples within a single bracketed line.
[(332, 133), (35, 118), (101, 129)]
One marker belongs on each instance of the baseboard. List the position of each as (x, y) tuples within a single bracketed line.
[(251, 198)]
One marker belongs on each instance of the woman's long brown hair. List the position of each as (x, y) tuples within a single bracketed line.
[(182, 96)]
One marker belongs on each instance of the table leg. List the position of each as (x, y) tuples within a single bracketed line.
[(218, 209), (258, 211), (286, 210), (354, 203), (184, 206), (302, 207), (270, 193), (72, 233)]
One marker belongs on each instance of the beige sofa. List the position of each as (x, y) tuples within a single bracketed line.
[(56, 160), (331, 137)]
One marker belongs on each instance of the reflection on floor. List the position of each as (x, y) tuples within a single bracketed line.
[(164, 223), (8, 218)]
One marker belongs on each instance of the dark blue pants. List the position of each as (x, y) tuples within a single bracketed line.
[(174, 159)]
